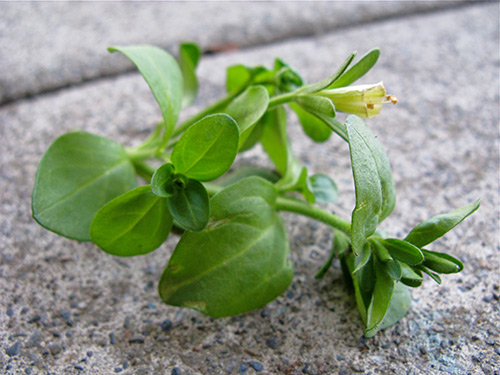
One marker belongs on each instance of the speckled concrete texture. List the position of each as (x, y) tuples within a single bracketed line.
[(68, 308), (47, 45)]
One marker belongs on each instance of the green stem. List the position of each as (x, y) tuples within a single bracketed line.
[(144, 170), (302, 208), (281, 99)]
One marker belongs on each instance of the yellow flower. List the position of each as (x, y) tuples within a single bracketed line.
[(362, 100)]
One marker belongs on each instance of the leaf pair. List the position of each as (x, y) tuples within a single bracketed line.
[(239, 262), (139, 221), (204, 152)]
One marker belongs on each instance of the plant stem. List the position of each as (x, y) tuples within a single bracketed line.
[(144, 170), (281, 99), (302, 208)]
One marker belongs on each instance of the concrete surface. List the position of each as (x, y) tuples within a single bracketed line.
[(68, 308), (48, 45)]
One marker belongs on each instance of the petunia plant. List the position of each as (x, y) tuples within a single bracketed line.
[(233, 253)]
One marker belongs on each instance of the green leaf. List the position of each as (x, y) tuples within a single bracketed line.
[(433, 275), (247, 171), (207, 149), (314, 127), (324, 188), (253, 137), (240, 76), (162, 74), (134, 223), (410, 276), (357, 70), (403, 251), (375, 191), (349, 261), (393, 269), (189, 55), (340, 245), (398, 307), (159, 182), (239, 262), (315, 87), (247, 109), (189, 204), (288, 79), (274, 139), (78, 174), (379, 305), (437, 226), (441, 262)]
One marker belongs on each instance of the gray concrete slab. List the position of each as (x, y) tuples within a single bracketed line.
[(47, 45), (74, 309)]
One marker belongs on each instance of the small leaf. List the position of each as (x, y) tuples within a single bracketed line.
[(189, 205), (247, 109), (340, 245), (274, 138), (410, 275), (357, 70), (375, 191), (207, 149), (134, 223), (398, 307), (403, 251), (364, 258), (328, 81), (379, 305), (349, 261), (253, 137), (78, 174), (437, 226), (381, 252), (441, 263), (238, 77), (239, 262), (247, 171), (433, 275), (324, 188), (189, 55), (393, 269), (288, 79), (160, 179), (312, 126), (162, 74)]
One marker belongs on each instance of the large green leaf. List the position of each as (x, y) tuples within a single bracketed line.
[(435, 227), (239, 262), (248, 108), (134, 223), (207, 149), (189, 55), (375, 191), (189, 204), (78, 174), (162, 74), (357, 70)]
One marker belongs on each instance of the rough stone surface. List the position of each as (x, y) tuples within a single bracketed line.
[(442, 140), (51, 45)]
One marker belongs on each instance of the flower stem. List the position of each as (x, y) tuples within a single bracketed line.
[(302, 208)]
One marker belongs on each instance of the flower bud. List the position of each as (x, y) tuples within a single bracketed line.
[(362, 100)]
